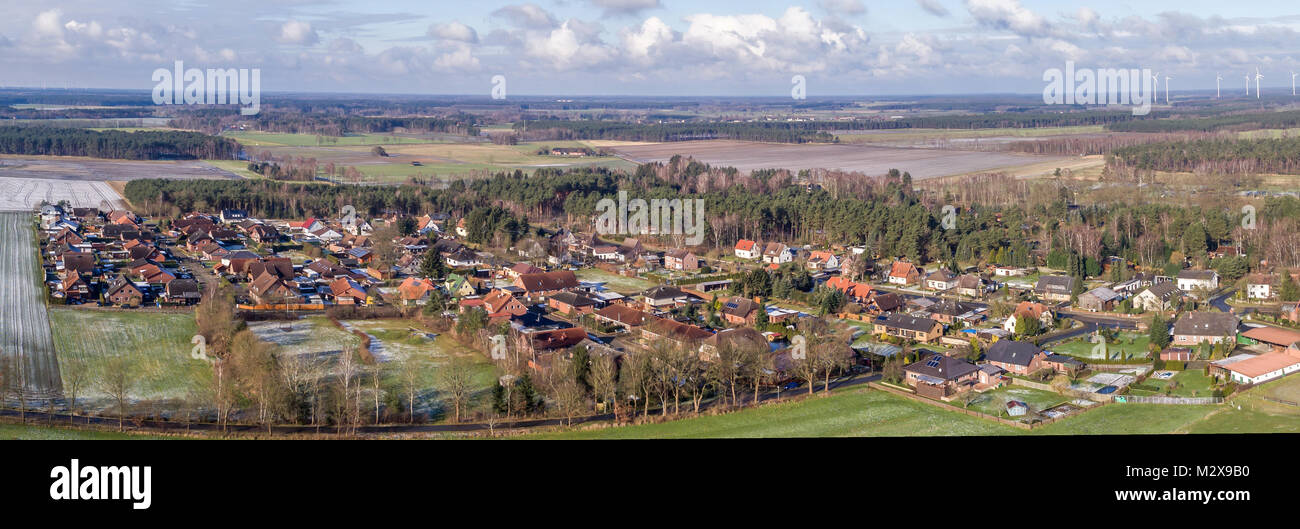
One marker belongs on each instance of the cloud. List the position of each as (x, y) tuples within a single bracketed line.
[(625, 7), (453, 31), (933, 7), (1008, 15), (298, 32), (648, 41), (526, 16), (843, 7)]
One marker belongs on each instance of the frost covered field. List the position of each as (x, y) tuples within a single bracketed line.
[(26, 194)]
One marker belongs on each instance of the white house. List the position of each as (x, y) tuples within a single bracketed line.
[(1260, 286), (1262, 368), (747, 249), (1198, 280)]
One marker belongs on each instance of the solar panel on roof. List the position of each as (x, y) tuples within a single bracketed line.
[(934, 362)]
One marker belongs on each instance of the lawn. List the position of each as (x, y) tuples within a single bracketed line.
[(1191, 383), (238, 167), (994, 402), (1128, 344), (32, 432), (1114, 419), (1245, 420), (158, 345), (851, 413), (614, 281)]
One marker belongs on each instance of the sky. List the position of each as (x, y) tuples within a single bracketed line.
[(648, 47)]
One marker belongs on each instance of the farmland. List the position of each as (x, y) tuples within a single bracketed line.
[(868, 159), (26, 194), (24, 326), (79, 168), (158, 345)]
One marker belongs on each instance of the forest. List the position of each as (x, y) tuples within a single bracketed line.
[(1242, 121), (143, 145), (1224, 155)]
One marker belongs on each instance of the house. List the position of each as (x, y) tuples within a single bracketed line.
[(740, 311), (621, 316), (72, 286), (1010, 271), (1100, 299), (970, 285), (520, 269), (1055, 288), (1063, 363), (270, 289), (1029, 309), (348, 292), (923, 330), (948, 311), (1178, 354), (231, 216), (1261, 286), (938, 376), (941, 279), (182, 291), (903, 273), (1158, 297), (882, 303), (990, 375), (1194, 328), (1262, 368), (681, 259), (546, 283), (459, 286), (777, 253), (123, 293), (415, 290), (500, 304), (664, 296), (857, 292), (822, 260), (463, 258), (1197, 280), (548, 340), (747, 249), (674, 331), (737, 339), (1021, 358), (571, 303)]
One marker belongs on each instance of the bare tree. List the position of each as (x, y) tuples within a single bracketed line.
[(75, 377), (604, 383), (456, 380), (117, 377), (410, 371)]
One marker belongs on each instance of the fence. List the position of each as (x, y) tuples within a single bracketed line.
[(1135, 399), (949, 407)]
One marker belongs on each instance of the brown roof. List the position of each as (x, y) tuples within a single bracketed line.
[(557, 338), (676, 330), (547, 281), (1262, 364), (1273, 335), (623, 314)]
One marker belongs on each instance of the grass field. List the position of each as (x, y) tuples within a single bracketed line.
[(267, 139), (1128, 344), (1191, 383), (615, 282), (158, 345), (852, 413), (32, 432), (921, 135)]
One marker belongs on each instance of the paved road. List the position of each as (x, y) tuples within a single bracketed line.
[(24, 325)]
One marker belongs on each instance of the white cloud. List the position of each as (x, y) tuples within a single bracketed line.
[(1008, 15), (453, 31), (298, 32), (526, 16)]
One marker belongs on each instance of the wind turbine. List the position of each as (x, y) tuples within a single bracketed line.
[(1258, 76), (1293, 75), (1155, 88), (1167, 78), (1217, 79), (1247, 85)]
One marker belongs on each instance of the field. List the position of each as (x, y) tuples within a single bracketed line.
[(32, 432), (158, 345), (615, 282), (80, 168), (1191, 383), (852, 413), (436, 158), (957, 137), (868, 159), (26, 194), (24, 326)]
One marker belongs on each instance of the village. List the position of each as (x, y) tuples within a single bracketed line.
[(957, 336)]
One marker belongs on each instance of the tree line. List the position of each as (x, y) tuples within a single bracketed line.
[(141, 145), (1220, 155)]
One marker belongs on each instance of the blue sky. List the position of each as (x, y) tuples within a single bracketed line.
[(647, 47)]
